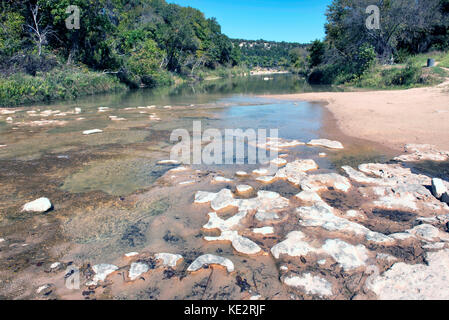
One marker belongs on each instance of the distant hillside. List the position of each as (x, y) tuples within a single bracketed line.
[(266, 54)]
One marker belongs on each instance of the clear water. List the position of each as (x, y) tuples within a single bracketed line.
[(107, 189)]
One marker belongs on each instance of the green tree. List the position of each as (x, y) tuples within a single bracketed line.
[(316, 53), (404, 23), (11, 29), (145, 62), (366, 58), (90, 44), (140, 41), (236, 55)]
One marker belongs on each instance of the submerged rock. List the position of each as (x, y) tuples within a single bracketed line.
[(428, 232), (265, 200), (279, 162), (242, 189), (279, 143), (326, 143), (309, 196), (402, 236), (47, 113), (215, 222), (223, 199), (40, 205), (169, 259), (93, 131), (239, 243), (204, 197), (264, 230), (43, 287), (153, 117), (210, 259), (168, 162), (261, 172), (55, 265), (397, 201), (295, 172), (131, 254), (5, 111), (435, 246), (263, 215), (293, 246), (419, 152), (322, 215), (322, 154), (347, 255), (360, 176), (102, 271), (220, 200), (354, 214), (183, 183), (178, 169), (137, 269), (221, 179), (41, 123), (394, 173), (415, 282), (266, 179), (394, 186), (320, 182), (311, 284), (115, 118)]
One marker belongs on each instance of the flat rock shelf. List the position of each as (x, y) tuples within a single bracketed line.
[(92, 196)]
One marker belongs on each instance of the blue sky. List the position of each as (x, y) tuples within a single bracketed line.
[(279, 20)]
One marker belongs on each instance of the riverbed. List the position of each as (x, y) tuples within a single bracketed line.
[(113, 196)]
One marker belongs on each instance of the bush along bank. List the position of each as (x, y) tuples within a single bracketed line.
[(394, 55), (56, 85)]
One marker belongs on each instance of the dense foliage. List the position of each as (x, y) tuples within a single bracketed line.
[(351, 50), (147, 43), (62, 84), (142, 42), (266, 54)]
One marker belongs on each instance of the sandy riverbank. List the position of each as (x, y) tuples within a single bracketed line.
[(393, 118)]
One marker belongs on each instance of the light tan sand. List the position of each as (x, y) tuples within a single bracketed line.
[(393, 118)]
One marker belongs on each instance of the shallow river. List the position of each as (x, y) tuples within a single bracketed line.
[(111, 196)]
